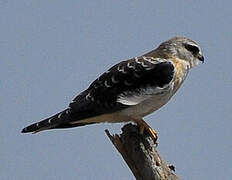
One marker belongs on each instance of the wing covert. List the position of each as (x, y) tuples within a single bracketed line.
[(125, 78)]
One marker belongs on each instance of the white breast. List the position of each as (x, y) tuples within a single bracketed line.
[(149, 105)]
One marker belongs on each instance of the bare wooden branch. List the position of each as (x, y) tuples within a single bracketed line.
[(139, 152)]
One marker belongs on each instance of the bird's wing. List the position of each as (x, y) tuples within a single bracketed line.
[(126, 84)]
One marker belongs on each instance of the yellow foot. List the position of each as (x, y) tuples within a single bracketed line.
[(143, 126)]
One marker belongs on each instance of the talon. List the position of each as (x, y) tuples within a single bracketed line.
[(143, 126), (153, 134)]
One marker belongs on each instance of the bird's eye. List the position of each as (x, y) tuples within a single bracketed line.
[(193, 49)]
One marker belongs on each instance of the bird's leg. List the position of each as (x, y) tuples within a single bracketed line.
[(143, 126)]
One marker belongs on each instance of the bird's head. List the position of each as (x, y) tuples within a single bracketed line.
[(183, 48)]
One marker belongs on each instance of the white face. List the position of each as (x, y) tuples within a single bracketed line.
[(193, 53), (185, 49)]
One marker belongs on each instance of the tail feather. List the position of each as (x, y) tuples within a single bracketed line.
[(49, 123)]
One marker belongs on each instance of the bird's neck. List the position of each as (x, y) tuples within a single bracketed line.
[(181, 71)]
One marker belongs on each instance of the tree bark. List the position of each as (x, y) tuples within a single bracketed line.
[(139, 152)]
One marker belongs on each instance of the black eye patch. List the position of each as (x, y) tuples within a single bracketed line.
[(193, 49)]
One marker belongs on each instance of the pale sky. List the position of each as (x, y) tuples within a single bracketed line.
[(52, 50)]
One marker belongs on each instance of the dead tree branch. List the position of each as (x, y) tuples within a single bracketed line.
[(139, 152)]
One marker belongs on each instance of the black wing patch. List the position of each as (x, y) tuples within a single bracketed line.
[(131, 75), (101, 96)]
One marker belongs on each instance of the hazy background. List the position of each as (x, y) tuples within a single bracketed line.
[(52, 50)]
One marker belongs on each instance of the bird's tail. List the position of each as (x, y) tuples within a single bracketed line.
[(49, 123)]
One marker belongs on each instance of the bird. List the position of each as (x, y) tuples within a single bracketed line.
[(131, 89)]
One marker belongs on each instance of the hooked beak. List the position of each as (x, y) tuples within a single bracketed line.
[(201, 58)]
